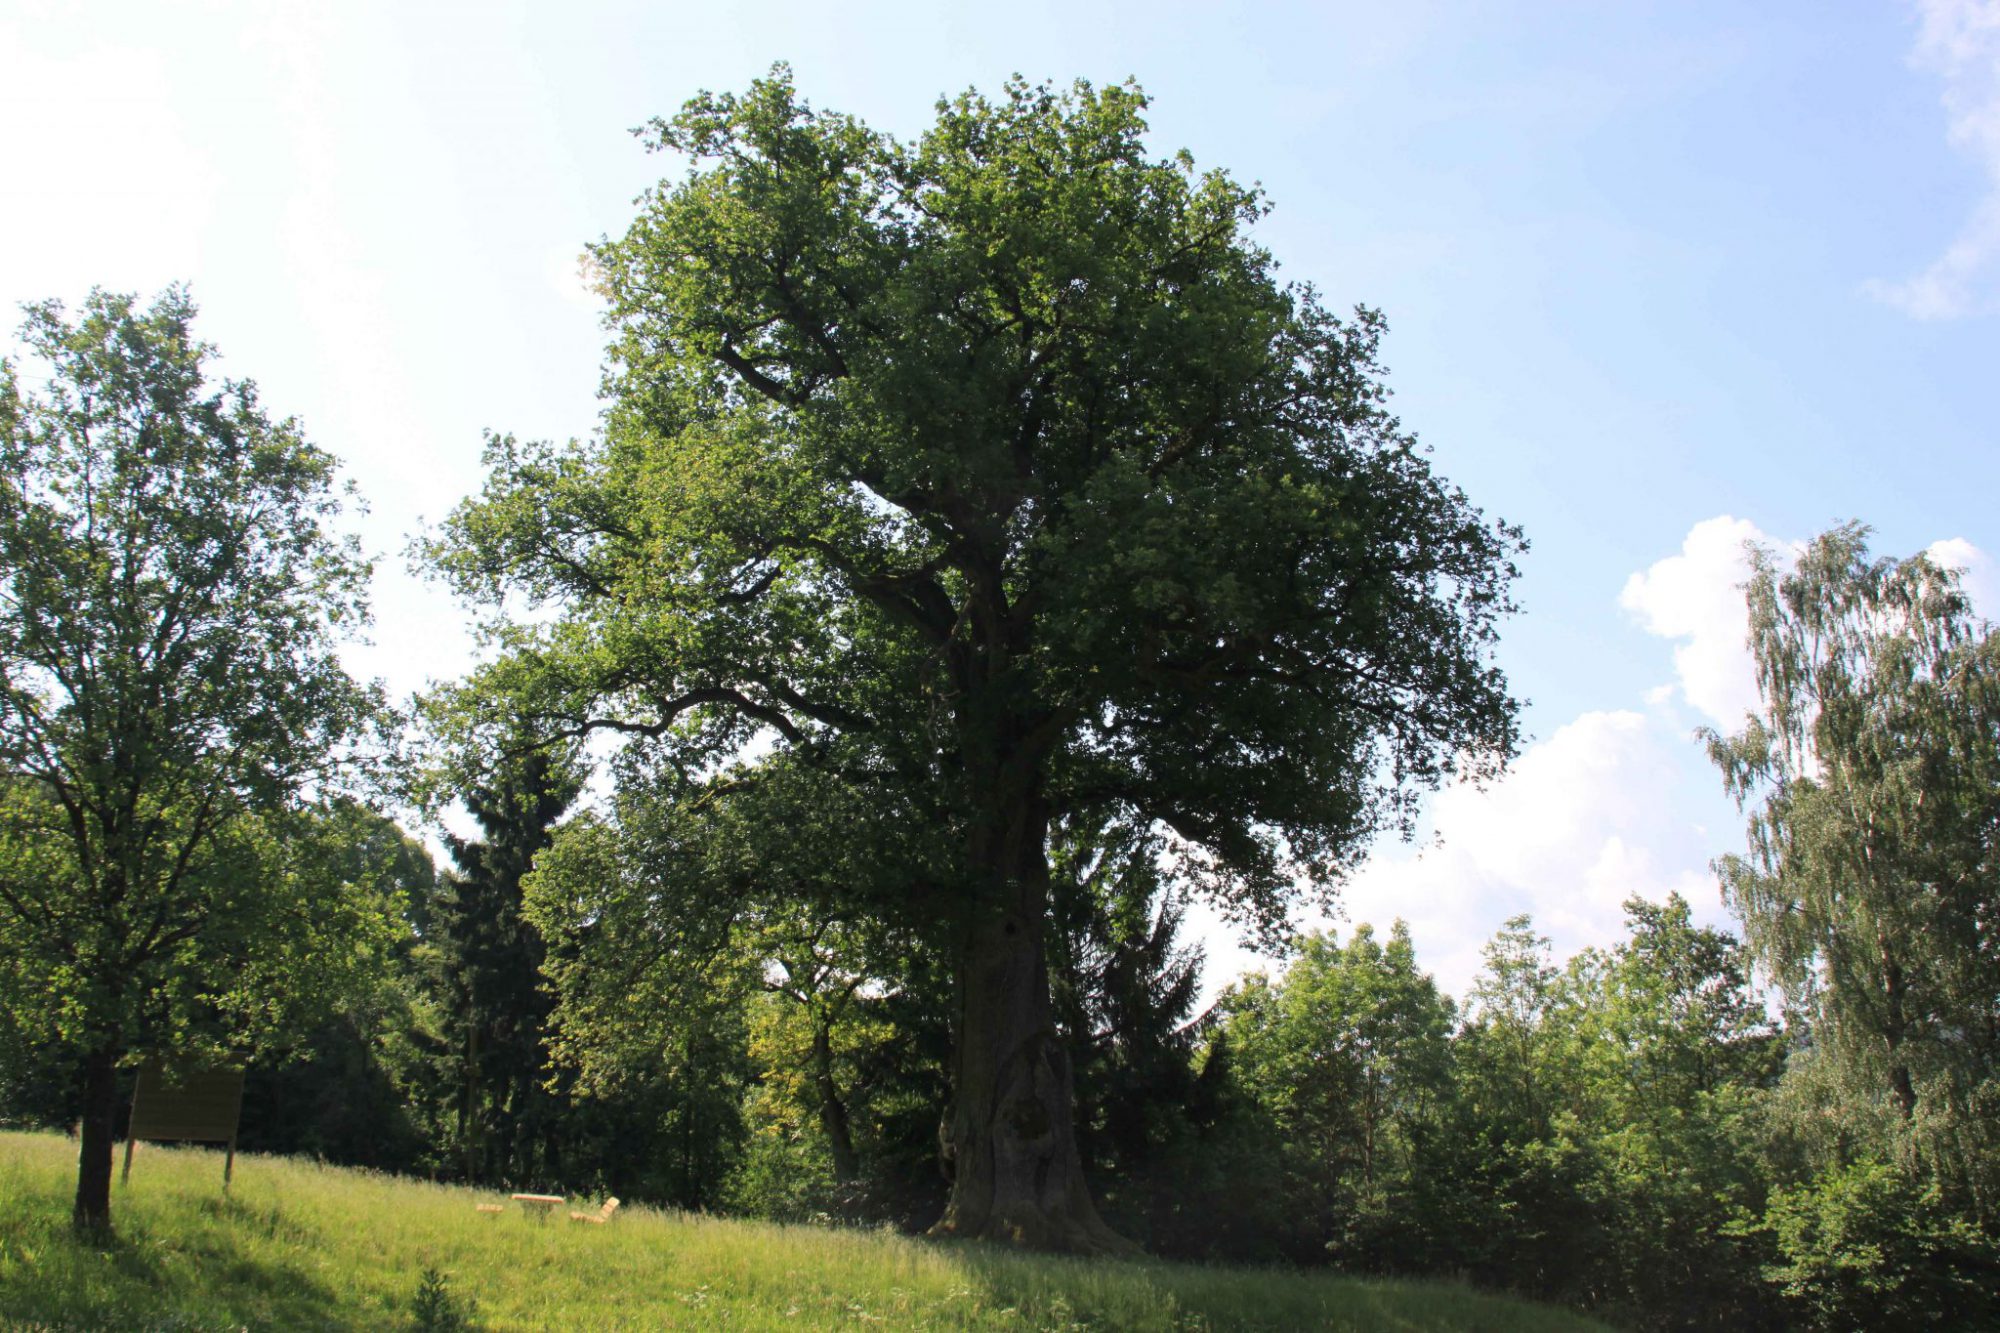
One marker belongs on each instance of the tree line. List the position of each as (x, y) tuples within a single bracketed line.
[(982, 555)]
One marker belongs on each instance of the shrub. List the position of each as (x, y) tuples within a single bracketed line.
[(1865, 1246)]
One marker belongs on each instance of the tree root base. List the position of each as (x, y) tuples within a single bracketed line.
[(1084, 1236)]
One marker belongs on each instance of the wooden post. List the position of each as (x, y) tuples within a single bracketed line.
[(229, 1164), (125, 1177)]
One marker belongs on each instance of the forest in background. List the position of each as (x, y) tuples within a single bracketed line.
[(1628, 1131), (984, 557)]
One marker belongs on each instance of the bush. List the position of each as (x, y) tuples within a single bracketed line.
[(1864, 1246)]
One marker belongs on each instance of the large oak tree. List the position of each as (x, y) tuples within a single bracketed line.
[(996, 473)]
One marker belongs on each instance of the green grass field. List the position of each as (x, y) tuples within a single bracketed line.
[(301, 1246)]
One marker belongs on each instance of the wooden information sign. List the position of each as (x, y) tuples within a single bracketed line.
[(197, 1107)]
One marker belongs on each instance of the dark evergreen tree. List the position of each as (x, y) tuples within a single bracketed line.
[(1125, 989), (507, 1122)]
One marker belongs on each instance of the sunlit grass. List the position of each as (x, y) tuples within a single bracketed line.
[(300, 1246)]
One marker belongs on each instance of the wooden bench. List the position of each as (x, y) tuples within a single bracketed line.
[(600, 1217), (541, 1205), (490, 1209)]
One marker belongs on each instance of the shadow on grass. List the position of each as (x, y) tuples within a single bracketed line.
[(197, 1278), (1072, 1293), (267, 1220)]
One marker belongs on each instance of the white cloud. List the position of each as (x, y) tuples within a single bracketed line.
[(1584, 820), (1976, 570), (1959, 40), (1615, 803), (1697, 598)]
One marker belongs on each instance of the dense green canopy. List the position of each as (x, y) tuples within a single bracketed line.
[(996, 473), (172, 593)]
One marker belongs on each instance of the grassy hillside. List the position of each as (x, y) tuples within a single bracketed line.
[(298, 1246)]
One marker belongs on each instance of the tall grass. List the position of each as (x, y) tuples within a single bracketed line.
[(296, 1245)]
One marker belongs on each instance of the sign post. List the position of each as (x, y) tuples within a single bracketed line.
[(196, 1107)]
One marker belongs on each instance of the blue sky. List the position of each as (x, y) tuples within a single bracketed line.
[(1658, 277)]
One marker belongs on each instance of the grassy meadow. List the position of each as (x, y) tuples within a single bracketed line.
[(296, 1245)]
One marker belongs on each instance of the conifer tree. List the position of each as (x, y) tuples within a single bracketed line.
[(488, 964)]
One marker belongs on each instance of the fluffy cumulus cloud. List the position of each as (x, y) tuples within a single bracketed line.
[(1585, 819), (1959, 41), (1696, 598), (1976, 571), (1612, 804), (1597, 812)]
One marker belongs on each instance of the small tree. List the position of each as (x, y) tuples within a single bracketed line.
[(1528, 1219), (172, 591), (1672, 1055), (685, 892), (1508, 1032), (349, 1084), (1351, 1055)]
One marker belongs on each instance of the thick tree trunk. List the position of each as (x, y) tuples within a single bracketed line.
[(92, 1214), (1011, 1137)]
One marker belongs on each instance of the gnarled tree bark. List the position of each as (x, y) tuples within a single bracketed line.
[(1010, 1137)]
